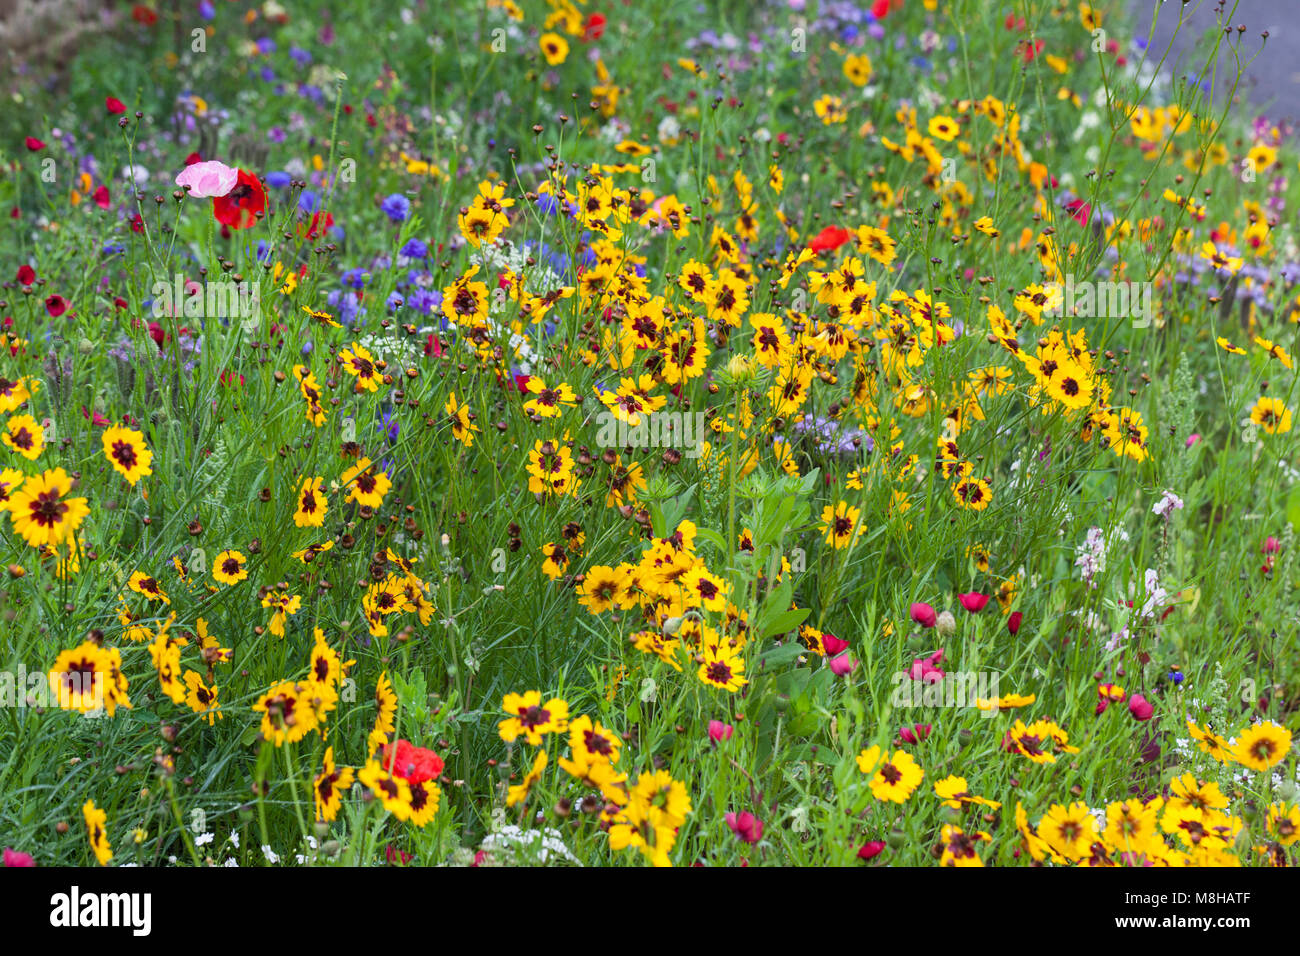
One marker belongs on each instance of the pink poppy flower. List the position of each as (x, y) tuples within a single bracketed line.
[(208, 180), (914, 734), (114, 105), (973, 601)]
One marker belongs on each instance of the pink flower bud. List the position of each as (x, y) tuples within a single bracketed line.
[(843, 664), (973, 601), (1013, 622), (871, 849), (923, 614), (914, 734), (1139, 708), (718, 731), (746, 826)]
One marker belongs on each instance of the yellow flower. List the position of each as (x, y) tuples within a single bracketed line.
[(126, 451), (230, 567), (95, 821), (529, 717), (554, 47), (1272, 415), (312, 504), (519, 792), (1262, 745), (893, 778), (23, 434)]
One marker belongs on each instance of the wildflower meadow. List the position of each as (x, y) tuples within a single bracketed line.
[(588, 433)]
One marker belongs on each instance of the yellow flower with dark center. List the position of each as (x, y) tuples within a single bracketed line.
[(532, 719), (361, 365), (1211, 743), (366, 485), (549, 402), (127, 453), (393, 792), (893, 779), (286, 718), (959, 846), (943, 127), (1262, 745), (953, 791), (857, 68), (329, 785), (1284, 823), (14, 392), (230, 567), (842, 524), (24, 434), (554, 47), (1070, 831), (422, 805), (604, 588), (1131, 825), (149, 586), (42, 513), (201, 698), (96, 820), (461, 427), (722, 667), (286, 605), (1272, 415), (312, 504), (88, 678)]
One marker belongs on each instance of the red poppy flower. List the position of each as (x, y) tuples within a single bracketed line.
[(594, 27), (56, 305), (879, 9), (142, 14), (137, 224), (114, 105), (832, 237), (34, 144), (158, 335), (415, 764), (101, 197), (320, 221), (194, 157), (26, 275), (1013, 622), (241, 207), (973, 601)]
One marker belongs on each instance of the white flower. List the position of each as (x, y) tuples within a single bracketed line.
[(204, 838), (271, 855)]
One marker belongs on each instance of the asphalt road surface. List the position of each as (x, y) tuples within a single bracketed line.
[(1270, 83)]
